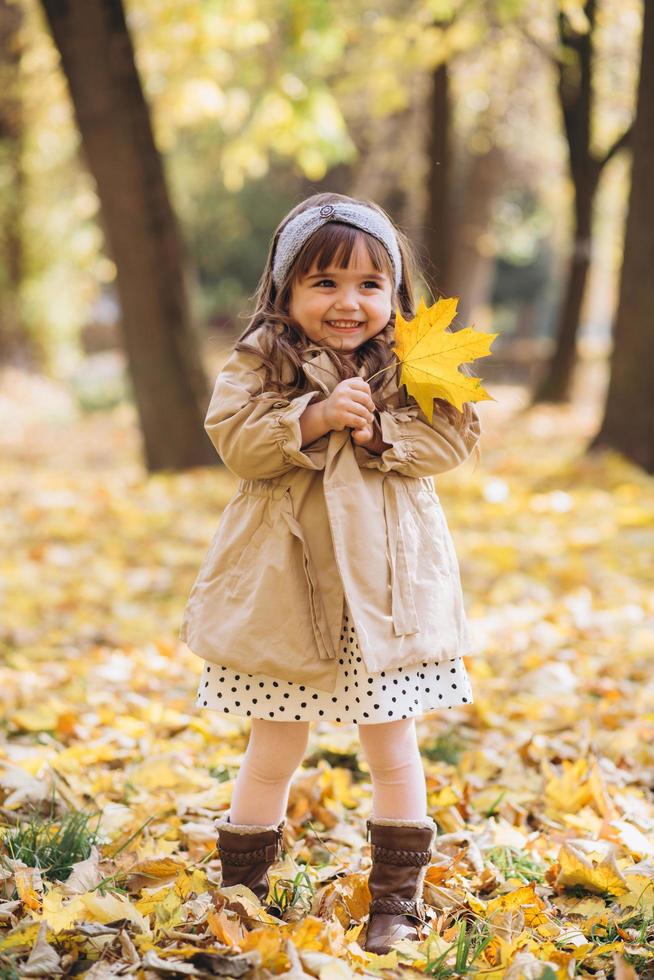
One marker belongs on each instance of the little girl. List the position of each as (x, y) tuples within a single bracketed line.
[(331, 589)]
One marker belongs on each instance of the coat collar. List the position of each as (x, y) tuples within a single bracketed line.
[(320, 371), (321, 374)]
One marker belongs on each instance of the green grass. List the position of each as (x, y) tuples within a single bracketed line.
[(52, 844), (287, 893), (447, 747), (339, 760), (222, 773), (468, 947), (641, 926), (7, 969), (516, 864)]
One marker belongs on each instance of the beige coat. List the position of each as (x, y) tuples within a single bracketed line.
[(308, 525)]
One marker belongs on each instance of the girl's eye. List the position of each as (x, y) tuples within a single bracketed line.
[(367, 283)]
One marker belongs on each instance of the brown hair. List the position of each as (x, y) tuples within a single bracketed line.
[(283, 337)]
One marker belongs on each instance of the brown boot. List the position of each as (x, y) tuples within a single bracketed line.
[(247, 851), (401, 851)]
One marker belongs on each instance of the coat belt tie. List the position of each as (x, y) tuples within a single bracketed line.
[(318, 618), (405, 614)]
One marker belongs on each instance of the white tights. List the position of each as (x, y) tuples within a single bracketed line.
[(276, 749)]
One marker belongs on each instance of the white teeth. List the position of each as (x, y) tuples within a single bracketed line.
[(344, 323)]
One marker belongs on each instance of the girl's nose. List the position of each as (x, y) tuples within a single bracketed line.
[(347, 301)]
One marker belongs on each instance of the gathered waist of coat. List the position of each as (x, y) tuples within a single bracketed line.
[(268, 488), (271, 488), (263, 488)]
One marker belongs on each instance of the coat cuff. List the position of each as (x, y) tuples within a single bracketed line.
[(402, 444), (285, 417)]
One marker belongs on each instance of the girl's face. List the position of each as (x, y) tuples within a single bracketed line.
[(343, 308)]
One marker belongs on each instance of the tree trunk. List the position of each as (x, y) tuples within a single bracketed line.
[(375, 174), (438, 219), (469, 267), (16, 345), (336, 180), (575, 91), (628, 424), (556, 383), (162, 348)]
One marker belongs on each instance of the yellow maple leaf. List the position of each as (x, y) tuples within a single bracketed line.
[(24, 936), (430, 356), (24, 879), (568, 792), (640, 894), (596, 871), (162, 867), (227, 931), (59, 910), (111, 907), (191, 882)]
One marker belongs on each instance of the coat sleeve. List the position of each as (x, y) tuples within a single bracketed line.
[(418, 447), (257, 433)]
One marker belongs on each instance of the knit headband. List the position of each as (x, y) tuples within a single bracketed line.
[(302, 226)]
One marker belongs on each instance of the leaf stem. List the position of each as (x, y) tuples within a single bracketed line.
[(393, 365)]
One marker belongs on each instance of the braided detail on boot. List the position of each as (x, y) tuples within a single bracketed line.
[(398, 906), (389, 855), (267, 853)]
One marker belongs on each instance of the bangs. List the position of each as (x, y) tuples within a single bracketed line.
[(333, 244)]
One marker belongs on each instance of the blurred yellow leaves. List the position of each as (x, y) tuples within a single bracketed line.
[(62, 912), (581, 784)]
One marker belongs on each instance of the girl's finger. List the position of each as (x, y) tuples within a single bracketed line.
[(364, 412), (364, 400), (362, 434)]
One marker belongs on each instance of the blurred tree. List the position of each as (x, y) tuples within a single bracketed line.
[(439, 152), (628, 424), (470, 154), (241, 106), (576, 93), (458, 206), (165, 367), (523, 267), (16, 344), (474, 157), (457, 63)]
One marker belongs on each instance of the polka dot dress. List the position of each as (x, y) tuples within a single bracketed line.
[(359, 697)]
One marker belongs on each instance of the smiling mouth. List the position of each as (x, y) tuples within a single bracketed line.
[(344, 325)]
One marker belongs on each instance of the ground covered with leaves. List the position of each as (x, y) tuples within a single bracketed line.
[(110, 778)]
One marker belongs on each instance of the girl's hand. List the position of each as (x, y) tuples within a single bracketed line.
[(350, 404), (363, 434)]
